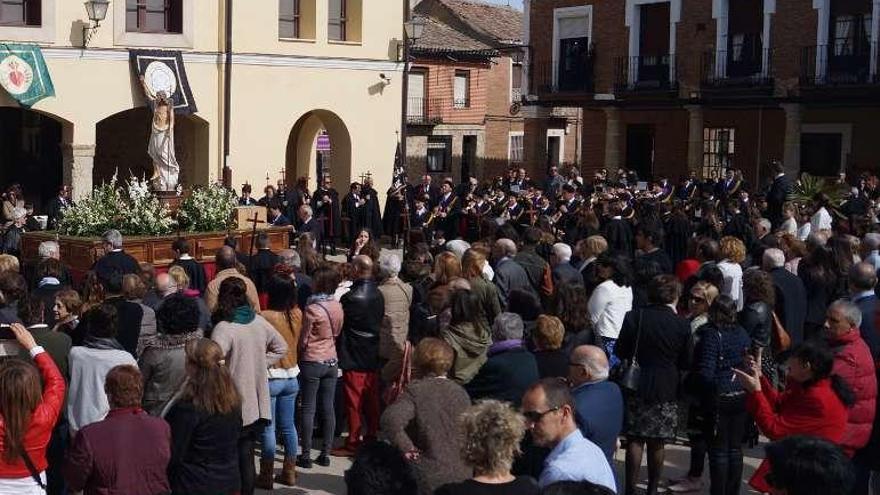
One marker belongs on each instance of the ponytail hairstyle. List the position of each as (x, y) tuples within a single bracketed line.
[(20, 393), (209, 384), (821, 361)]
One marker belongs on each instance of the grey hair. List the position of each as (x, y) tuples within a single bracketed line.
[(598, 371), (307, 209), (389, 263), (816, 239), (850, 311), (506, 246), (290, 258), (113, 237), (48, 249), (18, 213), (562, 251), (763, 222), (507, 326), (773, 258), (872, 241), (457, 247)]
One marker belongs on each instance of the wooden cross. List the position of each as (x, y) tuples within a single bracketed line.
[(254, 221), (283, 174)]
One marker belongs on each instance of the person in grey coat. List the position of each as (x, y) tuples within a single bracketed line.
[(423, 422), (163, 361), (509, 275), (563, 272)]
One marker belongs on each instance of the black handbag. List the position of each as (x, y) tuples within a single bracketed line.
[(630, 372)]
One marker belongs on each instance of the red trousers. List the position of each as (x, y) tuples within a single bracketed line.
[(362, 389)]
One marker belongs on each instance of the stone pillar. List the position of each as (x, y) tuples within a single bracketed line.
[(613, 131), (79, 162), (695, 139), (792, 142)]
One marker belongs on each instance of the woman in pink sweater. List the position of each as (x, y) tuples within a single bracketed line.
[(318, 364)]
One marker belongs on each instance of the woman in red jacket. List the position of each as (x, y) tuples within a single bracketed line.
[(26, 418), (813, 403)]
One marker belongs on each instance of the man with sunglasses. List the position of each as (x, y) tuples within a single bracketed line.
[(598, 402), (549, 411)]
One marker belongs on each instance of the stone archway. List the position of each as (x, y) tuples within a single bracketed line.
[(121, 145), (32, 152), (302, 149)]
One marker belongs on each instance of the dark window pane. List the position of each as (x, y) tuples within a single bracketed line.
[(155, 21), (286, 29), (12, 12)]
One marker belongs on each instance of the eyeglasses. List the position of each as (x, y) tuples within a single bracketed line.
[(535, 416)]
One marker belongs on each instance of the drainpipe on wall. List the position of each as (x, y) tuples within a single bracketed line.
[(227, 94), (404, 88)]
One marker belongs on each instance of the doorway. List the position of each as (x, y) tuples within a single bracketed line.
[(640, 149), (820, 153), (554, 151), (30, 154), (468, 156)]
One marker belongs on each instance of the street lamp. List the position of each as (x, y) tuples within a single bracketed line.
[(97, 11), (414, 28)]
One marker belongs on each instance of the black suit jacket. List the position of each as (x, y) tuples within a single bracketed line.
[(791, 302), (313, 227), (565, 273), (260, 268), (196, 273), (777, 196), (54, 211), (115, 262)]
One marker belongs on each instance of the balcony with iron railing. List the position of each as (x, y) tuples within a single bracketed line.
[(737, 70), (567, 77), (840, 65), (424, 111), (648, 73)]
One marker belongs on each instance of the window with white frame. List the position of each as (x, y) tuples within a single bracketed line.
[(515, 148), (572, 30), (516, 75), (288, 19), (462, 89), (337, 20), (154, 16), (20, 13), (718, 151)]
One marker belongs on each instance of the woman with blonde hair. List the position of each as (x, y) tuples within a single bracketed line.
[(473, 264), (492, 431), (205, 421), (28, 413), (447, 268), (733, 253)]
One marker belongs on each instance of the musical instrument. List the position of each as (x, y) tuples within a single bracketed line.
[(441, 209)]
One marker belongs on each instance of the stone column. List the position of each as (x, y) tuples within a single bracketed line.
[(613, 131), (792, 142), (695, 138), (79, 162)]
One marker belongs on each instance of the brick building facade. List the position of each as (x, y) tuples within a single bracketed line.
[(672, 86), (463, 112)]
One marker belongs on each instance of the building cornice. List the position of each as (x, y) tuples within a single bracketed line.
[(216, 58)]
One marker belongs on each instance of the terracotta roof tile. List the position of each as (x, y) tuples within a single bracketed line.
[(439, 37), (502, 23)]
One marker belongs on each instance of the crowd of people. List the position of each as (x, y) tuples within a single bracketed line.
[(508, 351)]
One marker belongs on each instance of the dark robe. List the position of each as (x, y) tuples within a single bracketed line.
[(353, 215), (115, 262), (678, 234), (328, 213), (249, 201), (196, 273), (449, 225), (55, 211), (372, 213), (394, 208), (619, 235), (261, 266)]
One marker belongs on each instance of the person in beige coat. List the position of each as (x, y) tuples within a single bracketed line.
[(226, 269), (395, 325)]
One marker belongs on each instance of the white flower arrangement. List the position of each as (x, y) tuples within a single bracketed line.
[(130, 208), (207, 209)]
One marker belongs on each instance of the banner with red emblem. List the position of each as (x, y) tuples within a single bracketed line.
[(23, 73)]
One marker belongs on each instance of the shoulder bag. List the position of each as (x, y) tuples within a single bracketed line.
[(630, 371)]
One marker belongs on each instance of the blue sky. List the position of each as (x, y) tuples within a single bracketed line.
[(513, 3)]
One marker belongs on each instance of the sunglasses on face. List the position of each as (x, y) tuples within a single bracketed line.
[(535, 416)]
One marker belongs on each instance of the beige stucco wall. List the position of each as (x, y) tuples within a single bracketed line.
[(275, 83)]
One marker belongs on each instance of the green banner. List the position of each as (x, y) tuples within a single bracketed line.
[(23, 73)]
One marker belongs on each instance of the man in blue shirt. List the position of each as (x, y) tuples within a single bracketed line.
[(598, 403), (549, 411)]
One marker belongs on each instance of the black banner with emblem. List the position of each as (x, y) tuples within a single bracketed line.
[(164, 71)]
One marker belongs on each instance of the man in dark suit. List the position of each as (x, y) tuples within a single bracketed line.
[(618, 232), (56, 206), (428, 190), (262, 263), (862, 281), (562, 270), (115, 260), (509, 275), (648, 241), (277, 218), (129, 314), (325, 204), (791, 297), (778, 194)]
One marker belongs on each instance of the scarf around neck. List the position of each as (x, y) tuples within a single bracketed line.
[(102, 343), (243, 315)]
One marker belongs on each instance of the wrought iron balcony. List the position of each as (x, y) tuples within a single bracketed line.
[(839, 64), (424, 111), (571, 76), (647, 73), (737, 69)]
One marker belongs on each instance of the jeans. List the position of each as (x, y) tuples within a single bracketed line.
[(608, 345), (361, 396), (318, 381), (283, 392), (725, 447)]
